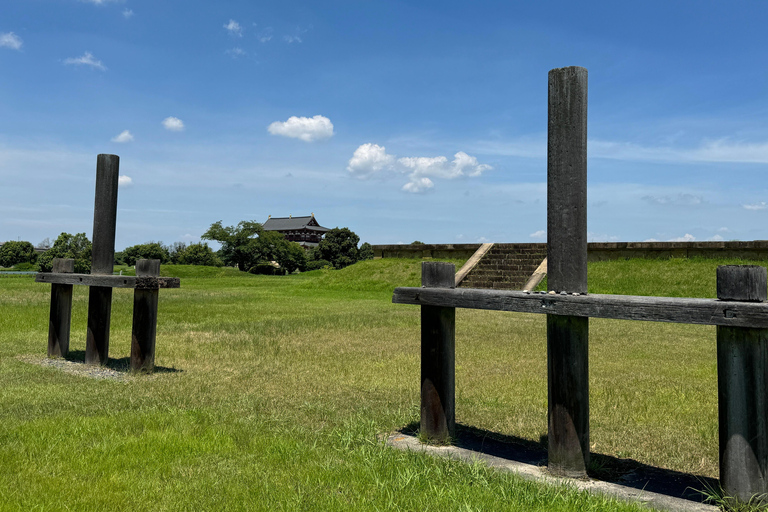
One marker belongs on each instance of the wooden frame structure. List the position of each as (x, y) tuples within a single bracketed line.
[(100, 281), (740, 314)]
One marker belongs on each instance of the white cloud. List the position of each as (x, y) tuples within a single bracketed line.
[(679, 200), (127, 13), (234, 28), (685, 238), (102, 2), (10, 40), (87, 59), (123, 181), (370, 159), (762, 205), (173, 124), (720, 150), (292, 39), (236, 52), (418, 185), (125, 136), (265, 35), (716, 238), (538, 235), (307, 129)]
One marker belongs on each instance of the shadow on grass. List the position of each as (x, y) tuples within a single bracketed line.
[(122, 364), (625, 472)]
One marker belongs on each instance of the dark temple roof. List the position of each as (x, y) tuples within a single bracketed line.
[(293, 223)]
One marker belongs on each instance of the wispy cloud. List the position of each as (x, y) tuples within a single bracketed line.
[(538, 235), (127, 13), (173, 124), (678, 200), (265, 35), (685, 238), (123, 181), (86, 59), (234, 28), (308, 129), (102, 2), (236, 52), (371, 159), (762, 205), (10, 40), (125, 136)]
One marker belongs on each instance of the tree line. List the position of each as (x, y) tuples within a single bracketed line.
[(246, 246)]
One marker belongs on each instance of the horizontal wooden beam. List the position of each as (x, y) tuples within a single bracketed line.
[(619, 307), (139, 283)]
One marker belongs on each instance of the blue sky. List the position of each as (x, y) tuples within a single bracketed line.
[(400, 120)]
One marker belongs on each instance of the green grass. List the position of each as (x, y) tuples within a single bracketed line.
[(272, 392)]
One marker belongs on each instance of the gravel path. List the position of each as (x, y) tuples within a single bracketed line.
[(77, 368)]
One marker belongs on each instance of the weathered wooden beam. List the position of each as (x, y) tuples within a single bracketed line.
[(567, 336), (144, 331), (61, 311), (742, 381), (617, 307), (102, 258), (137, 282), (438, 356)]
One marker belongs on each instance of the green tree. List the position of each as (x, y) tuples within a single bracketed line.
[(272, 246), (239, 248), (147, 251), (176, 250), (339, 246), (13, 252), (77, 247), (365, 252), (198, 254)]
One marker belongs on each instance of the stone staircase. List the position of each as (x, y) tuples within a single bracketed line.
[(505, 267)]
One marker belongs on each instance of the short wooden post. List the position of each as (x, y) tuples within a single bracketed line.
[(567, 336), (102, 258), (144, 319), (61, 311), (438, 357), (742, 386)]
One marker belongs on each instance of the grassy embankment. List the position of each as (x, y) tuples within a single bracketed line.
[(272, 391)]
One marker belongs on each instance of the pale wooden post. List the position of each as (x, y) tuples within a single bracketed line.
[(438, 357), (145, 318), (742, 388), (567, 336), (61, 310), (102, 258)]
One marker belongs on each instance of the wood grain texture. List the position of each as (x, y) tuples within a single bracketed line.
[(438, 348), (148, 282), (105, 214), (747, 283), (60, 317), (144, 332), (619, 307)]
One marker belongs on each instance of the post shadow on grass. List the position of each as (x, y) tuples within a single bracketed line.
[(627, 472), (122, 364)]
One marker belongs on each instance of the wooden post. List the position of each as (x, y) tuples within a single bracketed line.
[(144, 319), (102, 258), (438, 357), (742, 388), (567, 336), (61, 310)]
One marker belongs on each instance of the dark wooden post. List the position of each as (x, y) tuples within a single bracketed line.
[(102, 258), (61, 310), (438, 357), (144, 319), (567, 336), (742, 388)]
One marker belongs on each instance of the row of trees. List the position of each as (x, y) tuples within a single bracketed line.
[(245, 246)]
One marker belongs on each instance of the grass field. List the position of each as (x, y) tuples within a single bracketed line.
[(272, 391)]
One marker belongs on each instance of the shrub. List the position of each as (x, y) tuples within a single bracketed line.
[(365, 252), (147, 251), (318, 264), (198, 254), (14, 252), (263, 268)]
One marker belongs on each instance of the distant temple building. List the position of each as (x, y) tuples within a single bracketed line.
[(305, 231)]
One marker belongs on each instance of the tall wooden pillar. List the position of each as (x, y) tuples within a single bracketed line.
[(742, 389), (61, 310), (438, 357), (567, 336), (102, 258)]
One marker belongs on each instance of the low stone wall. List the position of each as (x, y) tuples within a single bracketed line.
[(596, 251)]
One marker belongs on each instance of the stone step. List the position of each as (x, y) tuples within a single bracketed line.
[(505, 267)]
